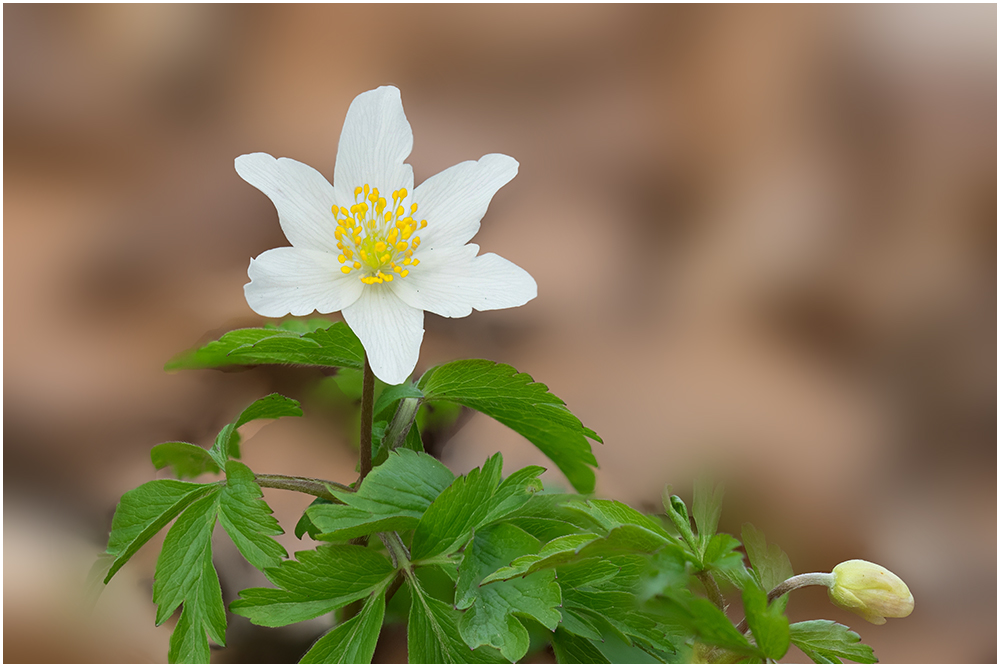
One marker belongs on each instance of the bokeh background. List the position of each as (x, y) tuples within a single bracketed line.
[(764, 240)]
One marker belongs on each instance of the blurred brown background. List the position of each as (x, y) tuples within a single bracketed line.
[(764, 240)]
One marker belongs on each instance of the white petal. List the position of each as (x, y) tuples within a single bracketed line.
[(390, 331), (299, 281), (373, 144), (301, 195), (452, 281), (455, 200)]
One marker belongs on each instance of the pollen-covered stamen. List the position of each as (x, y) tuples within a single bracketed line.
[(374, 239)]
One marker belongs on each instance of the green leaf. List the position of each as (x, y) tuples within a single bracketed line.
[(269, 407), (185, 574), (354, 640), (432, 635), (392, 395), (768, 623), (702, 620), (333, 346), (570, 648), (770, 564), (721, 555), (611, 514), (518, 402), (187, 460), (490, 617), (247, 518), (707, 508), (316, 583), (392, 497), (829, 642), (581, 546), (305, 524), (546, 517), (469, 502), (143, 511)]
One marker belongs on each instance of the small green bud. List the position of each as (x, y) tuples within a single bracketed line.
[(871, 591)]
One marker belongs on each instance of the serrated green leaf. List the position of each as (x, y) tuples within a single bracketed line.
[(611, 514), (829, 642), (354, 640), (570, 648), (771, 565), (392, 497), (143, 512), (470, 502), (581, 546), (272, 406), (187, 460), (721, 555), (247, 518), (305, 524), (490, 617), (432, 635), (702, 620), (188, 642), (515, 400), (315, 583), (185, 575), (546, 517), (707, 509), (332, 346), (768, 623)]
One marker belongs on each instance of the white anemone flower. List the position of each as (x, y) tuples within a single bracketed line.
[(374, 247)]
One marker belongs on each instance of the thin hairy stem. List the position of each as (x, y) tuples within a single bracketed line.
[(307, 485), (712, 588), (789, 585), (367, 405)]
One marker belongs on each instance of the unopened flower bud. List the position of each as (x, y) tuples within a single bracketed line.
[(871, 591)]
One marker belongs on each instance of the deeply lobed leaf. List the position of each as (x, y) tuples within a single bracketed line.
[(327, 345), (526, 406)]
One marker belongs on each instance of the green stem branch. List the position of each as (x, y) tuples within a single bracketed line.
[(712, 588), (789, 585), (307, 485)]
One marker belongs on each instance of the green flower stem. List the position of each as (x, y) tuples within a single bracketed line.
[(367, 405), (307, 485), (397, 550), (789, 585)]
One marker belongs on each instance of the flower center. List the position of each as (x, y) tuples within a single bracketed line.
[(376, 242)]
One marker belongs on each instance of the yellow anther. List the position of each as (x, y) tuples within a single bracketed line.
[(385, 258), (363, 255), (415, 262), (397, 269), (413, 209), (393, 235), (379, 247), (344, 212), (407, 230), (400, 211), (339, 233), (357, 265), (416, 241), (341, 259), (404, 273), (357, 191), (345, 269), (334, 209), (366, 190), (388, 217), (423, 223), (349, 253), (403, 193), (357, 240), (401, 246), (406, 262)]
